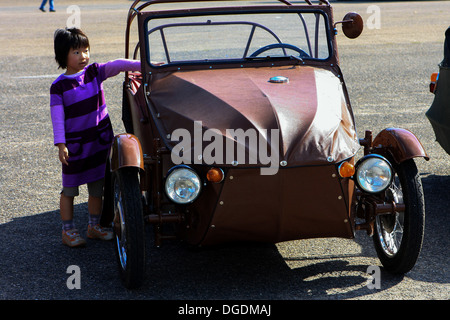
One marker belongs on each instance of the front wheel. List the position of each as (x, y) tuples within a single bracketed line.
[(129, 227), (398, 237)]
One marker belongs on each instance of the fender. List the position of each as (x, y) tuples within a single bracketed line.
[(400, 143), (126, 151)]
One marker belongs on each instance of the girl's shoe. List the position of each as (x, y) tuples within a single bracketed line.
[(97, 232), (72, 238)]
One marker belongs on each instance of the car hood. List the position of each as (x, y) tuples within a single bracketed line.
[(216, 114)]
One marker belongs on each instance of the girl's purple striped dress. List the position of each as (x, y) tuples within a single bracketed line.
[(80, 119)]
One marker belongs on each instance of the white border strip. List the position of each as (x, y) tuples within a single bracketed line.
[(44, 76)]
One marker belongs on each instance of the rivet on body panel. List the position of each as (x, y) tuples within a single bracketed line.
[(283, 163), (221, 203), (340, 197)]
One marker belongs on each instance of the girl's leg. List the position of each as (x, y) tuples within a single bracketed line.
[(66, 211), (95, 210), (95, 231), (95, 204), (95, 201), (70, 236)]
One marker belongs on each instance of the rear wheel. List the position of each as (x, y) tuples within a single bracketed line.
[(129, 227), (398, 237)]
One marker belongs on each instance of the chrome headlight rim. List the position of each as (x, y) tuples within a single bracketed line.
[(359, 166), (169, 184)]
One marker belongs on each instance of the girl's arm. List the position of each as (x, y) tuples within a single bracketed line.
[(57, 115), (59, 138), (114, 67)]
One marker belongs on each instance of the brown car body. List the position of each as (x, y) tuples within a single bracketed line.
[(306, 197)]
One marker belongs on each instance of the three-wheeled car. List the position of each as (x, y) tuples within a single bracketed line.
[(239, 128)]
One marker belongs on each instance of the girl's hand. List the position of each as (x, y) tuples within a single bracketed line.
[(63, 153)]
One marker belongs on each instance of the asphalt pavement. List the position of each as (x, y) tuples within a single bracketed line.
[(387, 72)]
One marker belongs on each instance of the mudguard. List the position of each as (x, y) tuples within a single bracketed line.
[(401, 144), (126, 151)]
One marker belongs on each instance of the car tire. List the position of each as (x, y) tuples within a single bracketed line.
[(398, 237), (129, 227)]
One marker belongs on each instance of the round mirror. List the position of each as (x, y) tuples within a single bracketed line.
[(353, 25)]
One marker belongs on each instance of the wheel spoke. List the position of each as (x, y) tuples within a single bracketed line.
[(391, 232), (399, 235)]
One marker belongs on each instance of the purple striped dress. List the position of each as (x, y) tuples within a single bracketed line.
[(80, 119)]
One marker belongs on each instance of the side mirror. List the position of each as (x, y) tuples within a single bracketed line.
[(352, 25)]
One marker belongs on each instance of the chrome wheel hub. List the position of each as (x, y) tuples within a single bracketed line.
[(390, 227)]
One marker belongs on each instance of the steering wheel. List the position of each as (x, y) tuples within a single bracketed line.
[(302, 53)]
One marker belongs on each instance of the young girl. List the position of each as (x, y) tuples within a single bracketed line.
[(81, 128)]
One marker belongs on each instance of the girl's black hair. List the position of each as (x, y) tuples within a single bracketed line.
[(66, 39)]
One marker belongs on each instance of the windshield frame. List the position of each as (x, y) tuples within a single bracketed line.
[(145, 17)]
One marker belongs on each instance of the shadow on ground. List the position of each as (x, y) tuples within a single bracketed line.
[(33, 264)]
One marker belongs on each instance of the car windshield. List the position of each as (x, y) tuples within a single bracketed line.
[(238, 36)]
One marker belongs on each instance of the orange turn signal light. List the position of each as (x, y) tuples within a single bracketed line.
[(215, 175), (434, 76), (346, 169)]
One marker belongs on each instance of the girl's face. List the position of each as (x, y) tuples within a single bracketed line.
[(77, 59)]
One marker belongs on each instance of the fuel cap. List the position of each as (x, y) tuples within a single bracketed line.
[(279, 79)]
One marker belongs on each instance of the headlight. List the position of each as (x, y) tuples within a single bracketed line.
[(373, 173), (182, 185)]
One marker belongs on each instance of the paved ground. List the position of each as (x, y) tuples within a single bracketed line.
[(387, 72)]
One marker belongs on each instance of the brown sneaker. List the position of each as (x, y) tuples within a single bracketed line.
[(72, 238), (98, 232)]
